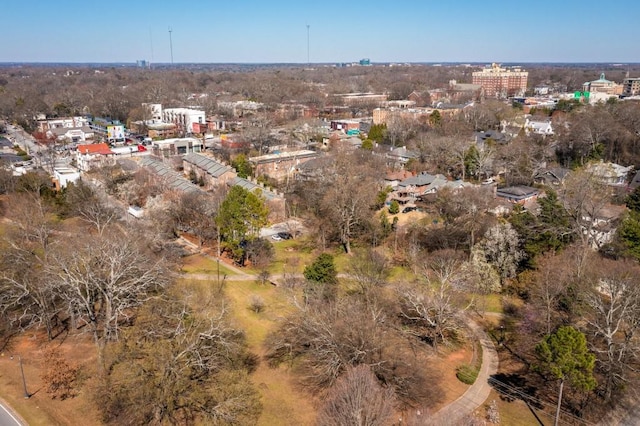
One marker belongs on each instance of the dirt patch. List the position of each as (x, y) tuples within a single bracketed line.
[(445, 365), (40, 408)]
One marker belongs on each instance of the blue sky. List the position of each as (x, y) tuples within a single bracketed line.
[(254, 31)]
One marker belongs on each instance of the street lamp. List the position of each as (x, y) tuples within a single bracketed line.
[(24, 382)]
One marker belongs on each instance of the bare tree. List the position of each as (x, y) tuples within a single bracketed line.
[(357, 399), (91, 207), (27, 298), (550, 282), (614, 321), (103, 279), (350, 195), (321, 343), (33, 219), (370, 270), (177, 366)]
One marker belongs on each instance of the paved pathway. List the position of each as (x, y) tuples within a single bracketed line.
[(477, 394)]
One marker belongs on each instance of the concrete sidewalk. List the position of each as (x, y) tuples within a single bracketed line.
[(478, 393)]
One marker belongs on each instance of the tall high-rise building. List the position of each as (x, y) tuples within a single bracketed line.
[(501, 82)]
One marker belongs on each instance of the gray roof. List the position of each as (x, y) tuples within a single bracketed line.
[(422, 179), (252, 187), (518, 192), (169, 176), (403, 152), (207, 164)]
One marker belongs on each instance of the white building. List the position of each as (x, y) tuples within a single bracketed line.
[(538, 127), (65, 175), (71, 134), (184, 118), (45, 124), (154, 111)]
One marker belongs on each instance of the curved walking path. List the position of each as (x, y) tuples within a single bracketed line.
[(478, 393)]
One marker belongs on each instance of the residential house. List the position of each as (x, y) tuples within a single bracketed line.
[(543, 128), (493, 135), (610, 173), (393, 179), (552, 177), (411, 188), (281, 165), (94, 155), (212, 172), (401, 156), (519, 194)]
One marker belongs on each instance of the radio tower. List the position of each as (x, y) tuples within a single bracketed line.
[(171, 45), (308, 61)]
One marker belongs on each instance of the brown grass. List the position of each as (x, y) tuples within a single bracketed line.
[(445, 364), (283, 402), (40, 409), (200, 264)]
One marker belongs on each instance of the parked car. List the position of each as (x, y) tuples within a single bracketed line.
[(409, 209), (285, 235), (276, 237)]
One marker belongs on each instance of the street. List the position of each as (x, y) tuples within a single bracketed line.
[(7, 417)]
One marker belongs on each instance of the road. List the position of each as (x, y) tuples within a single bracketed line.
[(8, 417), (22, 138)]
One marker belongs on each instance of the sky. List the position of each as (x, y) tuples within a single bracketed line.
[(275, 31)]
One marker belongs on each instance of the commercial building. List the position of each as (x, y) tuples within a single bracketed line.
[(602, 85), (500, 82)]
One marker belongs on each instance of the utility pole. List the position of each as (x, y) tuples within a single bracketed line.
[(24, 382), (171, 45), (308, 60)]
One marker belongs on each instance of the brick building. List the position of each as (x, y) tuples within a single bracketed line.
[(499, 82)]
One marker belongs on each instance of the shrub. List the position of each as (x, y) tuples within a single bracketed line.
[(467, 374)]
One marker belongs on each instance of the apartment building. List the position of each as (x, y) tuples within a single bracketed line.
[(183, 118), (500, 82), (631, 86)]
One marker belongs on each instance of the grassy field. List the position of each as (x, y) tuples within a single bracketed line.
[(199, 264), (283, 403)]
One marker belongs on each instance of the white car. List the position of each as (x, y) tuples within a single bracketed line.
[(276, 237)]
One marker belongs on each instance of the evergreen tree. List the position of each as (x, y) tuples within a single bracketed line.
[(565, 356), (241, 215)]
